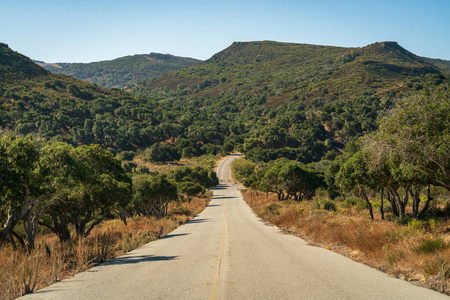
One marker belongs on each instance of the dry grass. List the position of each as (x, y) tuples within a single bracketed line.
[(52, 261), (417, 252)]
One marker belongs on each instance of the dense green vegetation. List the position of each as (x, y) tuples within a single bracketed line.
[(280, 72), (228, 108), (404, 158), (124, 71), (13, 69), (443, 65), (410, 151), (288, 179), (58, 186), (362, 124)]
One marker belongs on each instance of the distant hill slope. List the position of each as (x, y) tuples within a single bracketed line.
[(12, 69), (267, 99), (34, 100), (123, 71), (283, 72), (441, 64)]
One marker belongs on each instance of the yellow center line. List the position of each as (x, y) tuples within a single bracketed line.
[(222, 242)]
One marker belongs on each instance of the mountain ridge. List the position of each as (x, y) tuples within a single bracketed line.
[(302, 102), (299, 71), (12, 69), (123, 71)]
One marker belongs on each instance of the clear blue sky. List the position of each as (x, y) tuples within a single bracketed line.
[(93, 30)]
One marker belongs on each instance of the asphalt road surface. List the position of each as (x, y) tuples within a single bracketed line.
[(226, 252)]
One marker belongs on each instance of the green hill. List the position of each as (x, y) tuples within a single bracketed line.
[(267, 99), (124, 71), (62, 108), (442, 65), (34, 100), (12, 69), (284, 72)]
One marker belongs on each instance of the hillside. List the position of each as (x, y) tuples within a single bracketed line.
[(123, 71), (441, 64), (284, 100), (62, 108), (33, 100), (284, 72), (12, 69)]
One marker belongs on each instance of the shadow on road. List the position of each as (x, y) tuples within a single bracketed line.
[(173, 235), (223, 197), (136, 259), (193, 221), (220, 187)]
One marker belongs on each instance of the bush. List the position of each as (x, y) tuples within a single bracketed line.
[(325, 204), (161, 153), (353, 200), (273, 209), (129, 167), (376, 204), (126, 155), (430, 245), (361, 205), (387, 208), (415, 224), (349, 202), (329, 205), (403, 220), (242, 168), (142, 170), (316, 204), (339, 198)]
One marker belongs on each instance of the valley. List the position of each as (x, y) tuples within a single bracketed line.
[(333, 129)]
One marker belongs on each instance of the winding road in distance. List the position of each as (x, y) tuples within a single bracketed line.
[(226, 252)]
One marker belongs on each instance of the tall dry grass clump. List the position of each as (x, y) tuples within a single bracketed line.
[(22, 272), (417, 251)]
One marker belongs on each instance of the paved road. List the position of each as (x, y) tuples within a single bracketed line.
[(227, 253)]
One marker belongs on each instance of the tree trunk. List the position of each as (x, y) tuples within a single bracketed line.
[(80, 223), (382, 204), (399, 203), (363, 192), (416, 200), (60, 226), (31, 227), (13, 219), (13, 235), (88, 232), (279, 195), (427, 203), (392, 201), (404, 202)]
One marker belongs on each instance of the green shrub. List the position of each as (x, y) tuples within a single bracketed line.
[(329, 205), (126, 155), (430, 245), (273, 209), (361, 205), (323, 203), (415, 224), (339, 198), (316, 204), (353, 200), (376, 204), (347, 203), (403, 220), (387, 208)]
